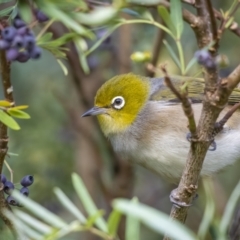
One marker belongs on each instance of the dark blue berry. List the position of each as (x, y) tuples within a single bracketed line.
[(24, 191), (22, 31), (29, 41), (12, 201), (12, 54), (3, 178), (18, 42), (4, 45), (40, 16), (23, 56), (204, 58), (8, 187), (18, 23), (210, 64), (27, 181), (36, 53), (9, 33)]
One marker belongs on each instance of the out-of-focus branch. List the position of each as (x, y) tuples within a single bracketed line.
[(7, 90), (156, 50)]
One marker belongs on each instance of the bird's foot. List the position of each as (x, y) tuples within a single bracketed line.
[(213, 145), (175, 198)]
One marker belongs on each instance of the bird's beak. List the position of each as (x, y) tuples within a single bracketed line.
[(94, 111)]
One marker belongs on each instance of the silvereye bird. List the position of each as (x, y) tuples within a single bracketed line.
[(152, 132)]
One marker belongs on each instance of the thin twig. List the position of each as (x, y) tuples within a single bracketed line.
[(186, 104), (213, 25), (219, 125)]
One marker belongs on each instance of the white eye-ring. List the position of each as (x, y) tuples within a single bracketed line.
[(118, 102)]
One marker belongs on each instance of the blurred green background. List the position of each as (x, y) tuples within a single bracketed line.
[(52, 144)]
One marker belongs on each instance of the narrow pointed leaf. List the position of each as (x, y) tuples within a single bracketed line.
[(68, 204), (5, 103), (132, 226), (113, 222), (172, 53), (167, 19), (20, 107), (191, 64), (176, 16), (33, 222), (92, 219), (87, 201), (154, 219), (229, 210), (209, 209), (18, 113), (39, 211), (56, 13), (8, 121), (23, 228)]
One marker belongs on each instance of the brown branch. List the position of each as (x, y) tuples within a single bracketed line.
[(219, 125), (213, 25), (184, 194), (233, 27), (7, 89), (186, 105)]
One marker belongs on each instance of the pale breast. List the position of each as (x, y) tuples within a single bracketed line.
[(157, 141)]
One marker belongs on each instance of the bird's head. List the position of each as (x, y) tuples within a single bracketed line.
[(119, 101)]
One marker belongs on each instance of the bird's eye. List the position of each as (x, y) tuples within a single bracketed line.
[(118, 102)]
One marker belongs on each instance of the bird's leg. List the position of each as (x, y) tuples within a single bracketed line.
[(213, 145), (175, 198)]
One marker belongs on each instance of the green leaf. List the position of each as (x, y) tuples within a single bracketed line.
[(176, 16), (56, 13), (92, 219), (18, 113), (191, 64), (132, 226), (229, 22), (22, 229), (87, 201), (167, 19), (45, 38), (68, 204), (113, 222), (209, 209), (229, 210), (33, 222), (154, 219), (172, 53), (8, 121), (106, 35), (25, 11), (20, 107), (6, 11), (82, 57), (4, 103), (39, 211), (63, 67), (97, 17)]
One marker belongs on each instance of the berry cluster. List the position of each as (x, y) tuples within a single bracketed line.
[(204, 58), (19, 42), (9, 187)]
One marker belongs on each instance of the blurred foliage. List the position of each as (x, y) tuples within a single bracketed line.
[(46, 145), (51, 226)]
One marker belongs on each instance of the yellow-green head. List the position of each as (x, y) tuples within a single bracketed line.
[(119, 101)]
